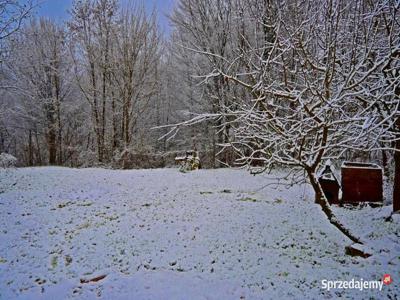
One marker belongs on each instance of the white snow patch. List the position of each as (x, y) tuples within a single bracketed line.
[(208, 234)]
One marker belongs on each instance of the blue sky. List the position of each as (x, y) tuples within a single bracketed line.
[(57, 9)]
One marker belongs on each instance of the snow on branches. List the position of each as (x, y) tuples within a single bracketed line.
[(311, 81)]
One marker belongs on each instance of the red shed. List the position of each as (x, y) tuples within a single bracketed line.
[(361, 182)]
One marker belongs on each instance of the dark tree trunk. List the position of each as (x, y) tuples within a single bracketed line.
[(30, 149), (52, 147), (316, 186), (1, 142), (323, 202), (59, 127), (103, 112), (115, 126), (59, 141), (126, 124), (385, 166), (38, 151), (96, 113), (396, 186), (57, 104), (390, 77), (51, 135), (214, 150)]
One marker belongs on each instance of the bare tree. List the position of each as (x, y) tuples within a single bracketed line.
[(205, 26), (39, 76), (12, 14), (91, 26), (314, 85), (136, 62), (389, 18), (116, 58)]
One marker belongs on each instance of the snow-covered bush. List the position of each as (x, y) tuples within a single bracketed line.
[(87, 158), (7, 161)]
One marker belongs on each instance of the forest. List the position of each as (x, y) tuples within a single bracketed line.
[(286, 90), (247, 83)]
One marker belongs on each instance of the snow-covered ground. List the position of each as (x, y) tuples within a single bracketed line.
[(162, 234)]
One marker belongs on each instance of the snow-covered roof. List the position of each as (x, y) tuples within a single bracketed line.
[(329, 172), (358, 165)]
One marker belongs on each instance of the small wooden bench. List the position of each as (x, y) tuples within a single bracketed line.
[(189, 161)]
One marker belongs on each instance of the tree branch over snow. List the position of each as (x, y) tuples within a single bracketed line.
[(309, 84)]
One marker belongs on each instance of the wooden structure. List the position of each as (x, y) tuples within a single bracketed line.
[(361, 182), (329, 184), (189, 161)]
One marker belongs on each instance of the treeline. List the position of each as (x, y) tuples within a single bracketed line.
[(262, 83), (87, 91), (295, 83)]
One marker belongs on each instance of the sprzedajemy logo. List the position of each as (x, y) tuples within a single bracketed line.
[(387, 279), (360, 284)]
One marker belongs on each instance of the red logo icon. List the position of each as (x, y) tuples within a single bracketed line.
[(387, 279)]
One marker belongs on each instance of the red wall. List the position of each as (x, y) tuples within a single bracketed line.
[(361, 184)]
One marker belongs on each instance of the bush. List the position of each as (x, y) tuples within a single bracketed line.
[(130, 159), (7, 161), (87, 159)]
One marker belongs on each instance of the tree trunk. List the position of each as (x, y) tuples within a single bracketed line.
[(103, 113), (39, 155), (96, 113), (126, 124), (385, 166), (58, 112), (396, 184), (59, 141), (2, 147), (316, 187), (30, 149), (115, 127), (323, 202), (51, 143), (214, 150)]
